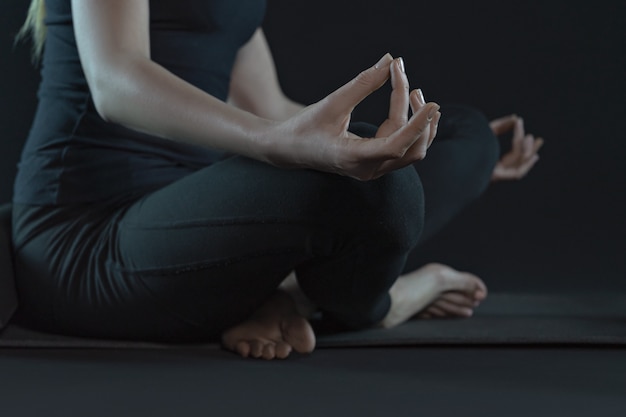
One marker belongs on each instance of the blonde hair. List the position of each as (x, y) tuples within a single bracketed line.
[(34, 27)]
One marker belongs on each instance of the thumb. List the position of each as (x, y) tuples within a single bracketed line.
[(346, 98)]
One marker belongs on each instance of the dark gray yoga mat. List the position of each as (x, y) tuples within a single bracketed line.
[(510, 319), (503, 319)]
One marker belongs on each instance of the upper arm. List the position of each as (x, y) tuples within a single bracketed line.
[(109, 34), (254, 83)]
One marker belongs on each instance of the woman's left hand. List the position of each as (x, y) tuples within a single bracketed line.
[(516, 163)]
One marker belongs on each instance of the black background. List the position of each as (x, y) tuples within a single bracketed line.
[(560, 64)]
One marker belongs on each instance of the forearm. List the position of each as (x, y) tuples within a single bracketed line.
[(142, 95)]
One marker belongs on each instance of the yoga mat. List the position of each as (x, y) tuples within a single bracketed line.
[(510, 319), (503, 319)]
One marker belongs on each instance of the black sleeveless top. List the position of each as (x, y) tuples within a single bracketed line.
[(73, 156)]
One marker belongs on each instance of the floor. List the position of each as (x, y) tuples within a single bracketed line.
[(331, 382)]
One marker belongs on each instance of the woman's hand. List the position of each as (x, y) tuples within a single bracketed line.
[(515, 164), (318, 136)]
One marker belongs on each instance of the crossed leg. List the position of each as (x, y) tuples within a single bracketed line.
[(280, 326), (455, 173)]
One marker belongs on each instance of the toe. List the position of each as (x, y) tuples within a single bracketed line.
[(473, 287), (282, 350), (298, 333), (458, 298), (453, 309), (269, 351), (481, 290), (256, 348), (436, 311), (243, 348)]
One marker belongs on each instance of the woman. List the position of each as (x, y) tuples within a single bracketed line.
[(168, 186)]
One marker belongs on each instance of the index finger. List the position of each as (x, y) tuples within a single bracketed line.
[(503, 124), (392, 150), (347, 97)]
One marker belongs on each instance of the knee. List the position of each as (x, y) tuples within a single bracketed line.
[(389, 209), (402, 207)]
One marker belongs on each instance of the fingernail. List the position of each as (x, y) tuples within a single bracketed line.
[(438, 118), (420, 96), (384, 60), (433, 111), (401, 64)]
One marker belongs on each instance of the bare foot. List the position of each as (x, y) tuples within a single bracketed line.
[(434, 290), (274, 331)]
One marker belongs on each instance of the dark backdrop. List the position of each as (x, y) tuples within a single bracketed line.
[(558, 63)]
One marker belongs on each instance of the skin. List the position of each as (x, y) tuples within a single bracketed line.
[(254, 84), (523, 156), (260, 122), (130, 89)]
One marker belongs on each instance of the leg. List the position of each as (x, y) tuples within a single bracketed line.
[(458, 167), (455, 172), (195, 258)]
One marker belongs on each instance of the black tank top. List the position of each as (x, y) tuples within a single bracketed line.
[(73, 156)]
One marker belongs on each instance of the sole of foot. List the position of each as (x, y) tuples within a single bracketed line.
[(272, 332)]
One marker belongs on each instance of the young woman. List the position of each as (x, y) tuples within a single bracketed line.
[(168, 187)]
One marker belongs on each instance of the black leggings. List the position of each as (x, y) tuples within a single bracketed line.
[(189, 260)]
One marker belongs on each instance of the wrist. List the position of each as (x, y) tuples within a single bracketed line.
[(260, 140), (271, 143)]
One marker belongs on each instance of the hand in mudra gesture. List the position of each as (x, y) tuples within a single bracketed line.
[(318, 136), (516, 163)]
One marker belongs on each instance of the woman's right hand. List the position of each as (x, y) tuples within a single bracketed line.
[(318, 136)]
